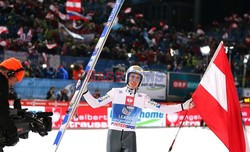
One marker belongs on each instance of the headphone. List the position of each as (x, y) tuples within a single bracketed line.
[(11, 73)]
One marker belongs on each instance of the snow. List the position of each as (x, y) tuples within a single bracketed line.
[(189, 139)]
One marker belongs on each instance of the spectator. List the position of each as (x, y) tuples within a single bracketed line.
[(51, 73), (77, 72), (32, 24), (51, 93), (62, 95), (61, 73)]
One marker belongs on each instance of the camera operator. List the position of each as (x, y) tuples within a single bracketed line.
[(11, 71)]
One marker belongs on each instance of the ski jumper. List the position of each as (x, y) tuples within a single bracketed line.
[(126, 108)]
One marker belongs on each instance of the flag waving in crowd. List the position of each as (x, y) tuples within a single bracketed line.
[(217, 102), (73, 5), (74, 8)]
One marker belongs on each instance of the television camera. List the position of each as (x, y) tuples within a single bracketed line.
[(25, 121)]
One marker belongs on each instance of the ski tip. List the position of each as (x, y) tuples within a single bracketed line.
[(53, 148)]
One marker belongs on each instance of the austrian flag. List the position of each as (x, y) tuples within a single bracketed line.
[(217, 102), (73, 6)]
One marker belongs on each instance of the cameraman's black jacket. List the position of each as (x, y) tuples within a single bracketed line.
[(6, 123)]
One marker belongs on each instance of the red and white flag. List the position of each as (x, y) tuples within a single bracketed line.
[(63, 16), (77, 16), (110, 4), (54, 8), (20, 31), (49, 15), (51, 46), (4, 42), (128, 10), (217, 102), (29, 34), (3, 29), (139, 15), (247, 40), (73, 6), (132, 21), (152, 30)]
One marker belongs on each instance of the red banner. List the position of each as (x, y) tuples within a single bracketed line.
[(246, 116), (84, 117), (87, 117), (192, 118)]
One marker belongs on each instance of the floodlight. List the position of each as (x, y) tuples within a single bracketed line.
[(205, 50)]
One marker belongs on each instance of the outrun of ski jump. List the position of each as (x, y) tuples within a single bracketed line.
[(132, 114)]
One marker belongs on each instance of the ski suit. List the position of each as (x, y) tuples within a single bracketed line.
[(127, 105)]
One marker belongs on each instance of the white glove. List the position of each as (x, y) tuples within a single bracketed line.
[(187, 105)]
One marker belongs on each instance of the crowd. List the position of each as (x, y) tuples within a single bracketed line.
[(42, 27)]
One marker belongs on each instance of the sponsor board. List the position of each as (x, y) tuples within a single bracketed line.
[(87, 117), (245, 112), (147, 118), (154, 85), (192, 118)]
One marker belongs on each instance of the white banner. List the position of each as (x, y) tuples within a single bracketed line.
[(154, 85)]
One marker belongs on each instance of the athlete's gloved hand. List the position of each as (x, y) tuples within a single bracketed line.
[(82, 79), (187, 105)]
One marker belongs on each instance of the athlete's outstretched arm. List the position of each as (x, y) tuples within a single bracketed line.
[(167, 109), (95, 103)]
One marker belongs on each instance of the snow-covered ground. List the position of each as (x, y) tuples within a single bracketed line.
[(189, 139)]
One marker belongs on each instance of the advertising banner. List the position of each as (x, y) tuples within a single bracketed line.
[(147, 118), (192, 119), (154, 85), (88, 117), (84, 117), (150, 118), (180, 85), (246, 116)]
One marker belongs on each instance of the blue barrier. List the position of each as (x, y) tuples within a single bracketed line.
[(36, 88)]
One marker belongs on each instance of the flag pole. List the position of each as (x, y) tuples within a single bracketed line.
[(170, 148)]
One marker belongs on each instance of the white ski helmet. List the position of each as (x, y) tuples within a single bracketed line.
[(134, 69)]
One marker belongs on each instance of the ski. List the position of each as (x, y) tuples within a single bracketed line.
[(82, 84)]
